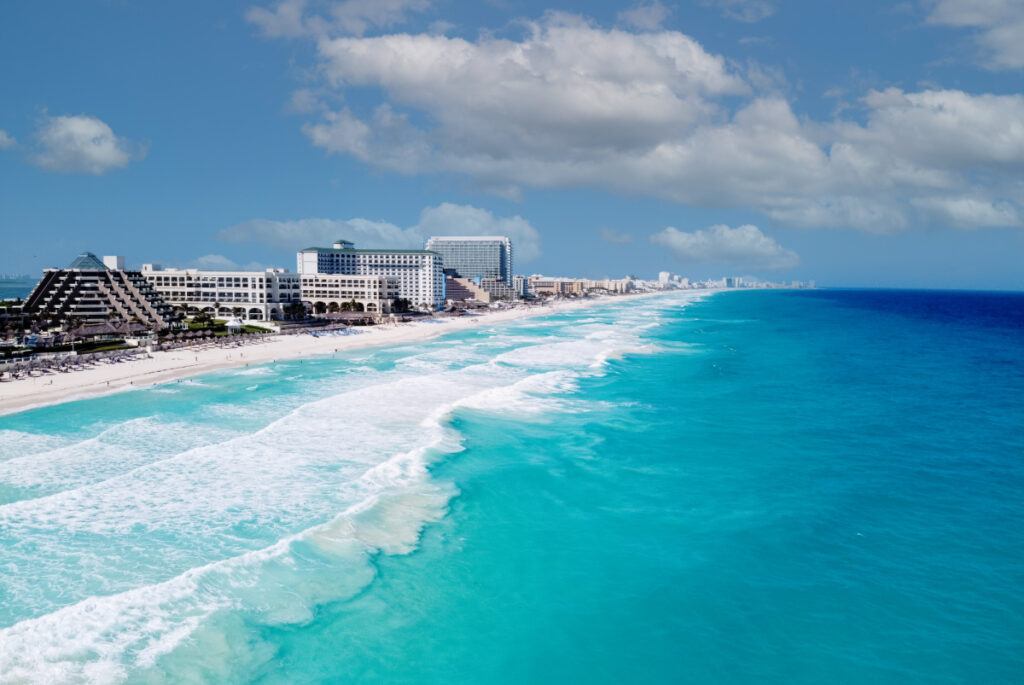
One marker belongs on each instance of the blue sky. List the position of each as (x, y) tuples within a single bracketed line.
[(864, 144)]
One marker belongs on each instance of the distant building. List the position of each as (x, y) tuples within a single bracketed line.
[(498, 289), (609, 285), (519, 285), (664, 277), (115, 262), (417, 273), (463, 290), (475, 256), (93, 292), (543, 286)]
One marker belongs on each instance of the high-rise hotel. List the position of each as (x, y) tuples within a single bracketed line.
[(483, 257), (418, 272)]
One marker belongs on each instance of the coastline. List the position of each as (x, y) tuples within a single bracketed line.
[(165, 366)]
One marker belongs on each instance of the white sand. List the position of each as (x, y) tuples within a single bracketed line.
[(165, 366)]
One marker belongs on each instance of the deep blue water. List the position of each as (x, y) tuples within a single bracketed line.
[(786, 486)]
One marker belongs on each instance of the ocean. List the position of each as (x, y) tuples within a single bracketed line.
[(741, 487), (15, 288)]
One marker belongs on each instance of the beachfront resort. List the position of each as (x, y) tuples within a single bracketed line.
[(99, 311)]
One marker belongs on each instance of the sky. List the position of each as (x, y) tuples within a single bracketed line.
[(867, 144)]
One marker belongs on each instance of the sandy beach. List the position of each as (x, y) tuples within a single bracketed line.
[(170, 365)]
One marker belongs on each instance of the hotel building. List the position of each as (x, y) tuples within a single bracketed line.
[(266, 295), (483, 257), (417, 273), (98, 292), (543, 286), (252, 295), (328, 292)]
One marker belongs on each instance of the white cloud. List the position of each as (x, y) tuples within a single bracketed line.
[(444, 219), (81, 144), (646, 16), (998, 26), (284, 21), (289, 18), (441, 27), (566, 84), (6, 141), (569, 93), (216, 262), (969, 212), (570, 104), (305, 101), (610, 235), (747, 11), (744, 246), (357, 16)]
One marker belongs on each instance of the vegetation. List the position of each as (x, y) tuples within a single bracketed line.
[(352, 306), (80, 347), (200, 320), (295, 310)]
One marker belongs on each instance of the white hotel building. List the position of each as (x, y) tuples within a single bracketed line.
[(418, 272), (253, 295), (265, 295)]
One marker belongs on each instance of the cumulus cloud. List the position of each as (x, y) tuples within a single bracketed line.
[(997, 25), (6, 141), (744, 246), (610, 235), (647, 16), (571, 104), (81, 144), (444, 219)]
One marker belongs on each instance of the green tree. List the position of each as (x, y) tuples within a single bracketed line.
[(295, 310)]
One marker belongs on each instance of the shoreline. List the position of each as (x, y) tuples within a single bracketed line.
[(169, 365)]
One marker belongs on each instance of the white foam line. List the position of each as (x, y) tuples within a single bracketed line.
[(93, 640)]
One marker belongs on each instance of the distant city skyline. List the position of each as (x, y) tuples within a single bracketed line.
[(723, 137)]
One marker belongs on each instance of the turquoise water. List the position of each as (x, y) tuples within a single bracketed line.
[(747, 487)]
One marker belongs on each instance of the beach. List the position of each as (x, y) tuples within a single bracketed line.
[(165, 366)]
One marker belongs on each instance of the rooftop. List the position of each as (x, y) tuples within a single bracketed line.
[(468, 237), (87, 261), (352, 250)]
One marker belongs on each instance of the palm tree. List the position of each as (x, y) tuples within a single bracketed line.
[(71, 324), (295, 310)]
